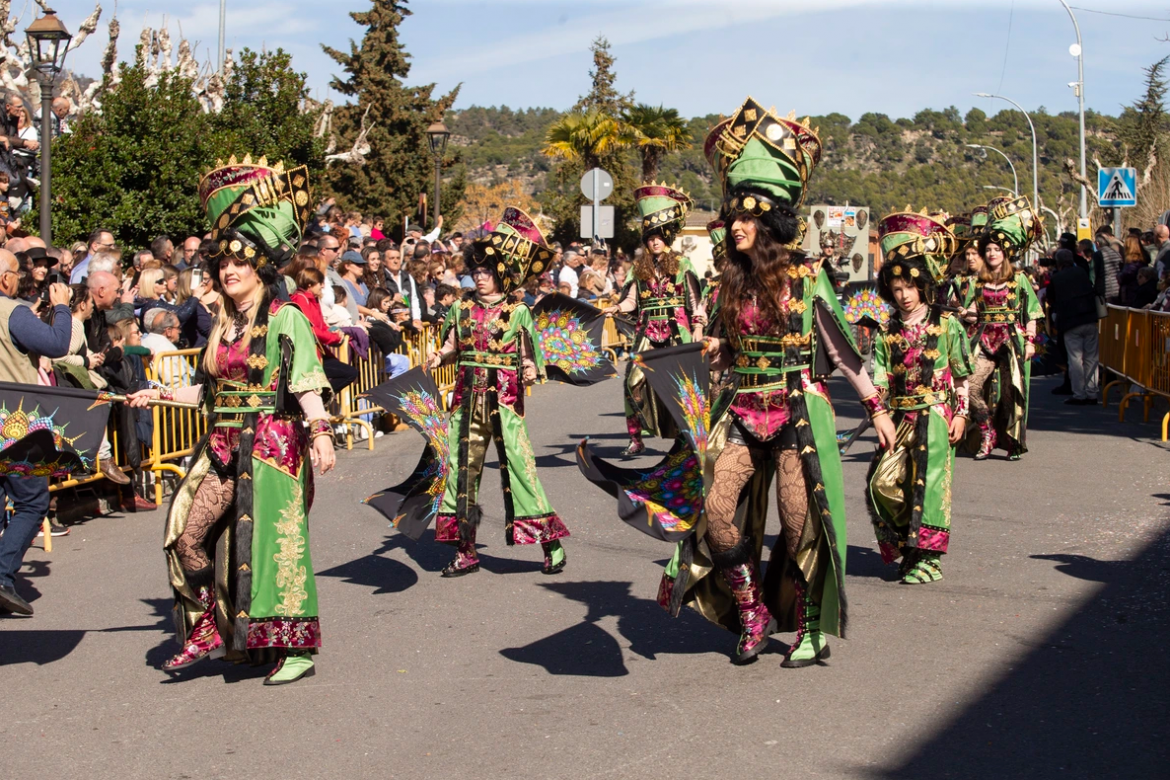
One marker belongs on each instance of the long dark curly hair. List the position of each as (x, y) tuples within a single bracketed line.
[(766, 277)]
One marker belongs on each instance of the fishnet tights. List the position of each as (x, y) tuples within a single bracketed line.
[(733, 469), (212, 499), (977, 388)]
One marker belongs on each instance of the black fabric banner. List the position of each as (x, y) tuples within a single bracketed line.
[(569, 333), (412, 504), (50, 431), (664, 501)]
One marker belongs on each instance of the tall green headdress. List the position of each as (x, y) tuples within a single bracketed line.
[(515, 250), (978, 221), (764, 162), (663, 210), (911, 243), (960, 226), (257, 211), (717, 230), (1014, 225)]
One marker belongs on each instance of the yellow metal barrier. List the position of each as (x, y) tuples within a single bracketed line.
[(1133, 346), (176, 431)]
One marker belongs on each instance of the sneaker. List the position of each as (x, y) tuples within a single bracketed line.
[(55, 530)]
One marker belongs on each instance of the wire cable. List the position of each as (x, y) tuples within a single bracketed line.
[(1124, 16), (1006, 48)]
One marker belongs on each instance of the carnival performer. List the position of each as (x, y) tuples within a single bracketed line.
[(718, 233), (782, 331), (921, 363), (1002, 306), (965, 262), (666, 300), (236, 540), (491, 340)]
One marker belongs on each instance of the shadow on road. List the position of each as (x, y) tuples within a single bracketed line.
[(1090, 699), (1085, 568), (385, 575), (588, 650), (864, 562), (37, 646)]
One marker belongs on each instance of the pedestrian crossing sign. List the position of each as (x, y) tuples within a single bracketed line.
[(1116, 187)]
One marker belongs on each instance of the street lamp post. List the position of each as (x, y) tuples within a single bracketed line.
[(1035, 150), (1015, 178), (1077, 51), (48, 43), (438, 134)]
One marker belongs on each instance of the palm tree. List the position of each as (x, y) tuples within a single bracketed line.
[(655, 132), (584, 137)]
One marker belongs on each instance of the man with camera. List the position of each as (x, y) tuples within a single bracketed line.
[(23, 340)]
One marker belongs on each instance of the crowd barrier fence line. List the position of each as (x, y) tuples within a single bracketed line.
[(1134, 345)]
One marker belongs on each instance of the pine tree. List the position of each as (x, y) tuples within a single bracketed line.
[(604, 95), (1145, 123), (400, 166)]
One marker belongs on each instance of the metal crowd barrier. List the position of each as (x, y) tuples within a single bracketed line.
[(1134, 345)]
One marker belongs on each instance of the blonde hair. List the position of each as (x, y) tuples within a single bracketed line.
[(223, 325), (147, 282)]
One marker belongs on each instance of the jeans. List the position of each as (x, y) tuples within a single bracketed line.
[(30, 496), (1081, 344), (396, 364)]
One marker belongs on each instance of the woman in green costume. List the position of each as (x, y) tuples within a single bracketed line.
[(1002, 306), (921, 362), (782, 332), (237, 542), (492, 341), (666, 301)]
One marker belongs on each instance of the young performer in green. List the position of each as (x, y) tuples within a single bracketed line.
[(1005, 312), (237, 539), (666, 301), (492, 340), (921, 362)]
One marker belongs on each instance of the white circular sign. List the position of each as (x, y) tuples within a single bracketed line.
[(1075, 50), (604, 184)]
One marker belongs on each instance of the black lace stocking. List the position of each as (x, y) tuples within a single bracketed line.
[(733, 469), (792, 496), (977, 388), (212, 499)]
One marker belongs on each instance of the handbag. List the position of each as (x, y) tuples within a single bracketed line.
[(1102, 307)]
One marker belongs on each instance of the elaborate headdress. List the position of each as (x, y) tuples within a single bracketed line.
[(914, 247), (1013, 224), (764, 163), (717, 230), (978, 221), (257, 212), (828, 238), (515, 250), (663, 210), (960, 226)]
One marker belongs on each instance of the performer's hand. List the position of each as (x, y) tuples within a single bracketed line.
[(529, 375), (322, 454), (969, 315), (958, 428), (434, 361), (713, 345), (141, 399), (609, 311), (1029, 351), (59, 294), (886, 432)]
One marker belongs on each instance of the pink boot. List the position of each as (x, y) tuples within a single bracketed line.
[(756, 622), (986, 441), (204, 641)]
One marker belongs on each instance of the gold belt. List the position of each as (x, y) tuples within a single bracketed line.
[(918, 401), (662, 303), (488, 359), (997, 317), (235, 399)]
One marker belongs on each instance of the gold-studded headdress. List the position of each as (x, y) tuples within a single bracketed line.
[(515, 250), (663, 210), (257, 211)]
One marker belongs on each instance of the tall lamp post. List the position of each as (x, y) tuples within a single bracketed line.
[(1077, 51), (1035, 151), (48, 42), (1015, 178), (438, 134)]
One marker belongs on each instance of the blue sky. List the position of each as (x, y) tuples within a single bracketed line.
[(704, 56)]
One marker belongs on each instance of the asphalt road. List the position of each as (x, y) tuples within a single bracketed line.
[(1041, 654)]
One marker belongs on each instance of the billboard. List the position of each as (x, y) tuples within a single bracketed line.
[(847, 227)]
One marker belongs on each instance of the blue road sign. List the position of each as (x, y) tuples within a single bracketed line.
[(1116, 187)]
